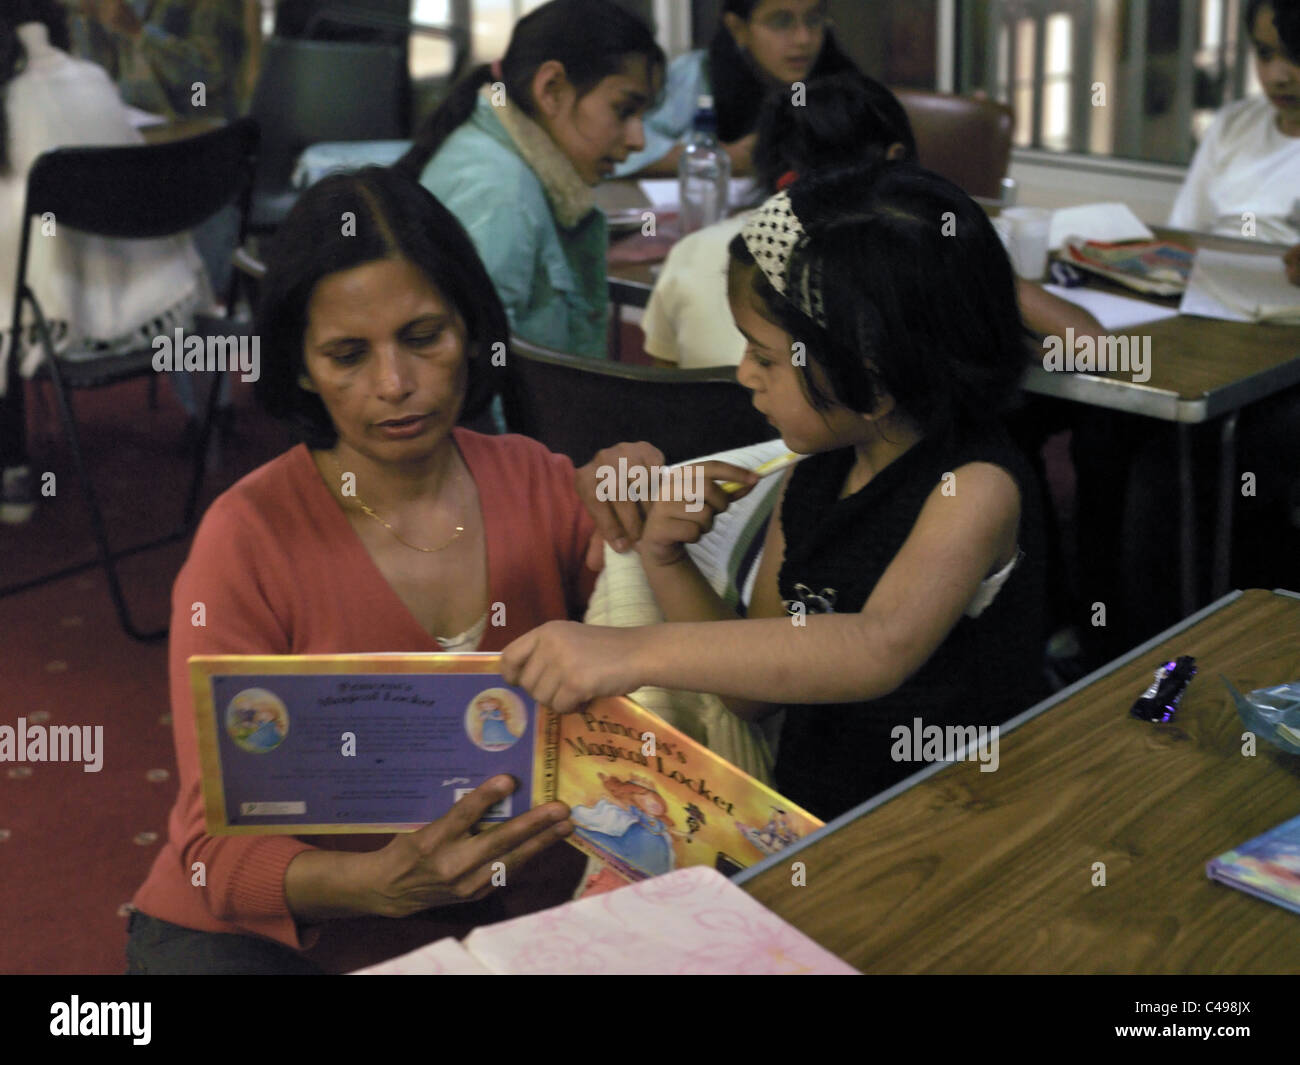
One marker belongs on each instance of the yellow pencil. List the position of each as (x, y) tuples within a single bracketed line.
[(776, 465)]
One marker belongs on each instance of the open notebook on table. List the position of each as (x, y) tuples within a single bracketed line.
[(1239, 287)]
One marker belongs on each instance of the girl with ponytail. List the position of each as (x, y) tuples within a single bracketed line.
[(516, 148)]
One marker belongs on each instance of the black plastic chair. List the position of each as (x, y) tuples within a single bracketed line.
[(314, 91), (576, 406), (137, 192)]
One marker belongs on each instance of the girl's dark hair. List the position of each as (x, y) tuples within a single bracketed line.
[(1286, 17), (739, 89), (13, 56), (391, 216), (591, 38), (841, 120), (918, 293)]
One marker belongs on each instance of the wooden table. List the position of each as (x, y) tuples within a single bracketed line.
[(1202, 370), (955, 870), (1191, 380)]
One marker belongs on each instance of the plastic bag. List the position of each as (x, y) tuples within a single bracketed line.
[(1271, 713)]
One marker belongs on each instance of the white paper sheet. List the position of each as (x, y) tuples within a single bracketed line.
[(1115, 313), (1109, 223)]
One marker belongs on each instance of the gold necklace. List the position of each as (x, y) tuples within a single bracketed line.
[(369, 512)]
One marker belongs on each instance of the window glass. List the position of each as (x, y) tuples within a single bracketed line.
[(1104, 76)]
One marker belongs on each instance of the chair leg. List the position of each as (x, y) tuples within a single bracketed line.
[(88, 492), (97, 520), (201, 452), (43, 417)]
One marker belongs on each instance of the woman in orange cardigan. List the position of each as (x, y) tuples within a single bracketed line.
[(377, 325)]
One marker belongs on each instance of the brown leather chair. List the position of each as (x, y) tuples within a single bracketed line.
[(966, 140)]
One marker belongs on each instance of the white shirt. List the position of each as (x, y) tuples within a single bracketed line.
[(109, 292), (1244, 164), (688, 320)]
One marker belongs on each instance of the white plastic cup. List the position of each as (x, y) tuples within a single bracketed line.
[(1027, 233)]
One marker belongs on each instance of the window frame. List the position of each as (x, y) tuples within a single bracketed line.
[(956, 68)]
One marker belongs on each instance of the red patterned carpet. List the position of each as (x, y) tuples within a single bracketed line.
[(75, 845)]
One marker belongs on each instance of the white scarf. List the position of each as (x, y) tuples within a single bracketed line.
[(97, 294), (571, 198)]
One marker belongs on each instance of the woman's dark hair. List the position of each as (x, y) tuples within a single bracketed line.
[(591, 38), (389, 216), (840, 120), (739, 89), (13, 56), (918, 293), (1286, 17)]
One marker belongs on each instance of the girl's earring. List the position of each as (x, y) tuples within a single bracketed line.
[(304, 382)]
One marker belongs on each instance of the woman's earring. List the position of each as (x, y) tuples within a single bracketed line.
[(304, 382)]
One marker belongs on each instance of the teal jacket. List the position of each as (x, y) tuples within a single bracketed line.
[(551, 277)]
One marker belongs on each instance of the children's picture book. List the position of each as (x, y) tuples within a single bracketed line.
[(647, 799), (317, 744), (320, 744), (1160, 267), (1267, 866), (691, 922)]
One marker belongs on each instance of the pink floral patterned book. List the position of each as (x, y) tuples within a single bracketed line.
[(692, 921)]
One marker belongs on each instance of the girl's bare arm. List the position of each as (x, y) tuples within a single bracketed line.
[(957, 541)]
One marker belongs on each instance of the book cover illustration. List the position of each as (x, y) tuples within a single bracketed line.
[(304, 744), (646, 799), (1267, 866), (1161, 267)]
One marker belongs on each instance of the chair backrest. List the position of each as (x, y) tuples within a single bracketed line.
[(576, 406), (966, 140), (141, 191), (138, 191), (313, 91)]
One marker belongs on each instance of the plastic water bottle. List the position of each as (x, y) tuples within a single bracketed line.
[(704, 173)]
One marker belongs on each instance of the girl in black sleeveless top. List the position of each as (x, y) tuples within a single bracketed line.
[(901, 588)]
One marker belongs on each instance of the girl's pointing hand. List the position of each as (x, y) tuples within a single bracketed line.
[(564, 664)]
